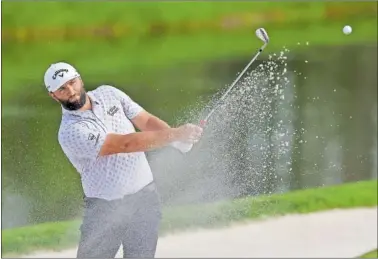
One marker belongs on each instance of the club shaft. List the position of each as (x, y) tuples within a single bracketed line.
[(235, 82)]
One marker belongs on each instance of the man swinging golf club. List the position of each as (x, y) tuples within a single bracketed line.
[(98, 137)]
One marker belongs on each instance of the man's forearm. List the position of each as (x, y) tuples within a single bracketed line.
[(145, 121), (138, 141), (154, 123), (148, 122)]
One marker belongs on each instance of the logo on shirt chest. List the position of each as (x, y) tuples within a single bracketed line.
[(113, 110)]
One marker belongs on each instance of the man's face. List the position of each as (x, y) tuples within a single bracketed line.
[(71, 95)]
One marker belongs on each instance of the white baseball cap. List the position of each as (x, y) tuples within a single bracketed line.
[(58, 74)]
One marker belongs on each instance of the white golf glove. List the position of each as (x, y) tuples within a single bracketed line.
[(183, 147)]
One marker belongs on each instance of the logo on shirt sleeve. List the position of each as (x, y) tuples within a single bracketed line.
[(92, 137)]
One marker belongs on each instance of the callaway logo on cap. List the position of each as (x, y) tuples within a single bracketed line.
[(58, 74)]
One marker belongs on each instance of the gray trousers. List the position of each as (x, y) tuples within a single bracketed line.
[(132, 221)]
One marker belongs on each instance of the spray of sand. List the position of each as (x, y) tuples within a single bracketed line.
[(247, 144)]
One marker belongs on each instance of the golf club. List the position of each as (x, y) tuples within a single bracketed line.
[(262, 35)]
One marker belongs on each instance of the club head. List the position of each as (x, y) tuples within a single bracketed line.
[(262, 35)]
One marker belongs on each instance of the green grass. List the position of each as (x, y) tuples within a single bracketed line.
[(371, 254), (59, 235)]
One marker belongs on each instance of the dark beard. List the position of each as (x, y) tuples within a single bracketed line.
[(76, 105)]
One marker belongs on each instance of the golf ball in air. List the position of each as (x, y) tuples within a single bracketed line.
[(347, 29)]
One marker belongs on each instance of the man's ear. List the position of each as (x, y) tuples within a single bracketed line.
[(52, 95)]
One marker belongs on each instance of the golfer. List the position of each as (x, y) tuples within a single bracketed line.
[(98, 137)]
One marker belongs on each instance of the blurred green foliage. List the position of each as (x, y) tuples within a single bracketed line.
[(140, 14), (161, 34)]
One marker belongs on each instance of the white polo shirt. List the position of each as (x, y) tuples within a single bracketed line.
[(82, 134)]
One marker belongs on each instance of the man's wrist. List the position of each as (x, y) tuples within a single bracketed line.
[(173, 135)]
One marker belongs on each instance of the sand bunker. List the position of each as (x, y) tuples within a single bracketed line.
[(335, 233)]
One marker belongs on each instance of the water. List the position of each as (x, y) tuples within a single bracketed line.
[(315, 125), (273, 134)]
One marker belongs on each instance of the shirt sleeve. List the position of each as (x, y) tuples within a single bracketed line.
[(82, 140), (130, 107)]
